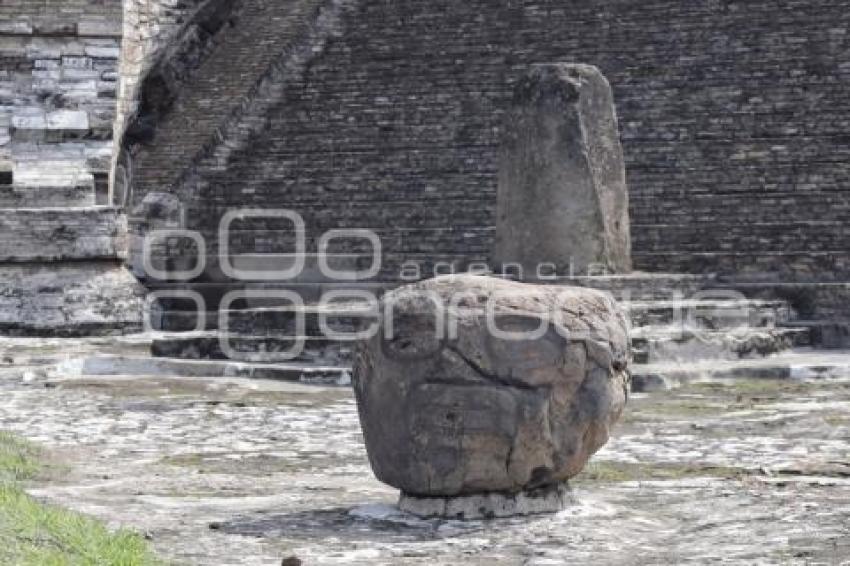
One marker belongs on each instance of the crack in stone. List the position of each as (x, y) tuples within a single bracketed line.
[(506, 382)]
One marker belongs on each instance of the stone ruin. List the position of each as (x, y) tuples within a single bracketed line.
[(481, 397), (438, 127), (321, 120), (466, 407), (62, 246)]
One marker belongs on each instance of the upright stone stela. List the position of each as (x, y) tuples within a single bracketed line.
[(562, 196)]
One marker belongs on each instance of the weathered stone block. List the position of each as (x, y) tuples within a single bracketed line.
[(68, 120), (562, 186), (30, 121), (77, 298), (480, 385), (54, 234)]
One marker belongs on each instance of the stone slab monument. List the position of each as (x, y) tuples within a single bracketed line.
[(562, 195), (480, 397)]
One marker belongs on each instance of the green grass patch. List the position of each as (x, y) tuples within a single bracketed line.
[(20, 459), (36, 534)]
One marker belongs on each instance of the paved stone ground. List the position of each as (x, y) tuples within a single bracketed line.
[(236, 472)]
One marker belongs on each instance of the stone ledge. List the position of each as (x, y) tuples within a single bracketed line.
[(800, 364), (74, 195), (51, 234), (69, 299)]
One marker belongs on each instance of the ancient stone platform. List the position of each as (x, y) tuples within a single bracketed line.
[(246, 472)]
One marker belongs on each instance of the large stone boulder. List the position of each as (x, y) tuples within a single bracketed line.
[(476, 385), (563, 199)]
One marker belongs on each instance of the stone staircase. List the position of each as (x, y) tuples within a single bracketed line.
[(61, 271), (60, 250), (681, 330), (259, 335), (221, 60), (710, 329)]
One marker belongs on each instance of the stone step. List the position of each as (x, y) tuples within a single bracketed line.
[(645, 286), (264, 235), (798, 364), (69, 299), (280, 321), (702, 314), (826, 334), (650, 344), (55, 165), (180, 254), (785, 206), (827, 299), (47, 351), (392, 267), (709, 314), (262, 295), (261, 349), (784, 236), (759, 263), (638, 287), (660, 344), (147, 366), (52, 127), (55, 234), (13, 196)]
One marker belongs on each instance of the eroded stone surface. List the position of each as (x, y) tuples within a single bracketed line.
[(562, 179), (477, 411)]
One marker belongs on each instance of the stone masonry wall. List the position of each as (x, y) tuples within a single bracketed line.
[(149, 27), (61, 255), (734, 120), (57, 234), (58, 80)]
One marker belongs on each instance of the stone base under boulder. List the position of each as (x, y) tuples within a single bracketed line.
[(550, 499)]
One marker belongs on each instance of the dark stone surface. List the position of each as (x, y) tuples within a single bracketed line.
[(733, 115)]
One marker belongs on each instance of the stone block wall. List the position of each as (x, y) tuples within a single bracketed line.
[(733, 116), (61, 270), (149, 28), (61, 234), (77, 298), (58, 82)]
